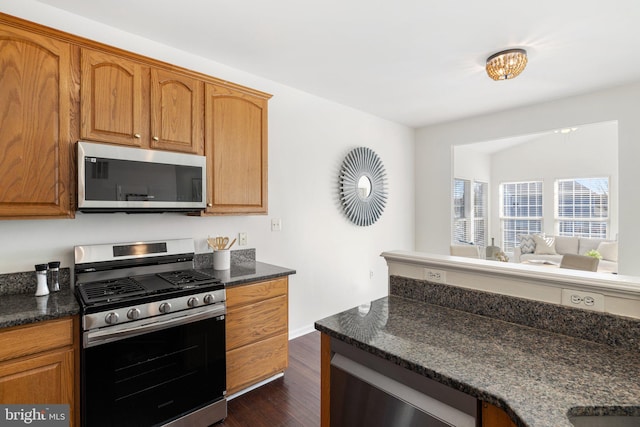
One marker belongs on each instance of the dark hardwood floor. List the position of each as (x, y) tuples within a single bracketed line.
[(293, 400)]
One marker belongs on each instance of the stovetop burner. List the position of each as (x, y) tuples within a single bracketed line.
[(109, 290), (106, 291), (184, 277)]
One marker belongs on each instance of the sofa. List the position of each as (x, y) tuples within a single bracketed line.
[(536, 248)]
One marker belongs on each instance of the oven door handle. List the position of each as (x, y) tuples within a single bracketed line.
[(127, 330)]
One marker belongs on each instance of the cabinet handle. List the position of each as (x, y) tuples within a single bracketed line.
[(155, 138), (209, 204), (136, 135)]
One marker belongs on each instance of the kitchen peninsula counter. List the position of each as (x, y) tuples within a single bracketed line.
[(538, 377)]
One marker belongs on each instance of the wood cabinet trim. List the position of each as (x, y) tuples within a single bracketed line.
[(87, 43)]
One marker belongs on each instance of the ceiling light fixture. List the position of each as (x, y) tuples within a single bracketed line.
[(565, 130), (506, 64)]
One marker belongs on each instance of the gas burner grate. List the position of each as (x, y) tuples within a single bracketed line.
[(184, 277), (110, 289)]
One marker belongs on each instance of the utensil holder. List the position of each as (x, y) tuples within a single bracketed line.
[(222, 259)]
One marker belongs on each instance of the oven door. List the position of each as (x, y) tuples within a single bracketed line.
[(151, 378)]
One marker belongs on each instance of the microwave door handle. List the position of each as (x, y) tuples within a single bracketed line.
[(104, 336)]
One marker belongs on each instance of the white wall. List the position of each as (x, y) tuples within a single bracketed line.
[(433, 159), (308, 139)]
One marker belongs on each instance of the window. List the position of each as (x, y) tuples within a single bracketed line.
[(520, 211), (469, 212), (582, 207), (461, 232), (480, 220)]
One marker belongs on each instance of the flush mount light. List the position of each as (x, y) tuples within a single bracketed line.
[(506, 64), (565, 130)]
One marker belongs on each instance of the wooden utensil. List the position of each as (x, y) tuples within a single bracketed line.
[(211, 242), (234, 240)]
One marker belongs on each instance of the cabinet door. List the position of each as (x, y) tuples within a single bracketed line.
[(176, 109), (236, 150), (255, 362), (36, 101), (111, 101), (47, 378)]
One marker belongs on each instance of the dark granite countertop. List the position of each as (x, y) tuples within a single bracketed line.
[(538, 377), (249, 271), (18, 305), (21, 309)]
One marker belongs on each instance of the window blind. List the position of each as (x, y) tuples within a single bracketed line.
[(582, 207)]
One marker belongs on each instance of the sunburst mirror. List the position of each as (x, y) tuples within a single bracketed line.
[(363, 192)]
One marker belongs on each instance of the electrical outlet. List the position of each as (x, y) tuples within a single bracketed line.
[(242, 239), (436, 276), (582, 299), (276, 224)]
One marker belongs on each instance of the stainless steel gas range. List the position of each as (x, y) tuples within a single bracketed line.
[(153, 336)]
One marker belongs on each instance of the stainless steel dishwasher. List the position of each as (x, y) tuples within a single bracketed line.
[(369, 391)]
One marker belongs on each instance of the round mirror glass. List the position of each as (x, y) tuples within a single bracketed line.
[(363, 192), (364, 187)]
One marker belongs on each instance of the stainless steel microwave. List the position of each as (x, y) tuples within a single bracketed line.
[(122, 179)]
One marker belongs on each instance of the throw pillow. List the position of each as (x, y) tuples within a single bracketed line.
[(609, 250), (544, 245), (526, 243)]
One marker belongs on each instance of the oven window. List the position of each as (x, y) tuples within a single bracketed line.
[(156, 377)]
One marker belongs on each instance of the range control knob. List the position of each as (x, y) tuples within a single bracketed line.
[(111, 318), (193, 301), (165, 307), (209, 299), (133, 314)]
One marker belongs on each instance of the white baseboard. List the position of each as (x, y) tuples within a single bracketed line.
[(255, 386), (301, 331)]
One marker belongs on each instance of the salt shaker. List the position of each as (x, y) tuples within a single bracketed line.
[(54, 276), (41, 275)]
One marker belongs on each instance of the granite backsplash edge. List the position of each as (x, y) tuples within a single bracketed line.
[(603, 328), (25, 282)]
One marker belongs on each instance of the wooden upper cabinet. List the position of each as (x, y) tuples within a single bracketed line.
[(177, 116), (111, 100), (236, 149), (125, 102), (37, 95)]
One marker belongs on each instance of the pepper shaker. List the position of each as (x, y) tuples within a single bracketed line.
[(54, 276), (41, 276)]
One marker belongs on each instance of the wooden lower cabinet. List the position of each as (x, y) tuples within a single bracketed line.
[(257, 337), (38, 365), (492, 416), (255, 362)]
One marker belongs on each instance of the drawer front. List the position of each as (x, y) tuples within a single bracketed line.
[(254, 292), (24, 340), (255, 362), (250, 323)]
